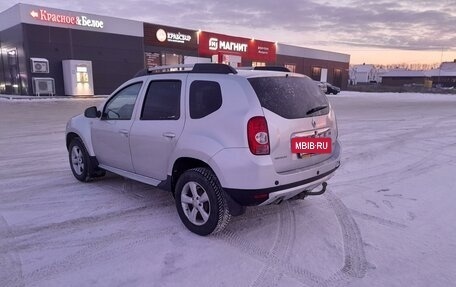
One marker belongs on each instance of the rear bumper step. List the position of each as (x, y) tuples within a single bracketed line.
[(280, 193), (297, 193), (277, 198)]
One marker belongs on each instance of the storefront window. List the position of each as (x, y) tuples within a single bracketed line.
[(82, 76), (153, 59), (11, 81), (172, 59), (2, 73), (291, 67), (316, 73), (258, 64), (337, 78)]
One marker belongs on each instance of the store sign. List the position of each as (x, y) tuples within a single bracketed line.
[(163, 36), (83, 21), (211, 44), (263, 50), (215, 44), (169, 37)]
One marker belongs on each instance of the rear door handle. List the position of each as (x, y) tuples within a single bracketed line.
[(124, 132), (169, 135)]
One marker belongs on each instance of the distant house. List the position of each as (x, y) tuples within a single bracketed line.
[(362, 74), (448, 66), (379, 74), (444, 76), (404, 77)]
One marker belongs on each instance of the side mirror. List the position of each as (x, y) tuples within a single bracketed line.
[(92, 113)]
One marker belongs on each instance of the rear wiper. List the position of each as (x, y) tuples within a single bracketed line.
[(316, 109)]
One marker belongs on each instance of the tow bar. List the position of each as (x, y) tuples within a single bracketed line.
[(320, 192)]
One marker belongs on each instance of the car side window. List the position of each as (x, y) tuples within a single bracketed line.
[(120, 107), (205, 98), (162, 101)]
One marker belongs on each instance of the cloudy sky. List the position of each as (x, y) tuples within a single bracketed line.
[(371, 31)]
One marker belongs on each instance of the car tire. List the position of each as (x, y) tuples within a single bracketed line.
[(201, 202), (79, 160)]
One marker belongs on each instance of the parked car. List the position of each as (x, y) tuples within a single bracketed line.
[(322, 86), (217, 138), (331, 89)]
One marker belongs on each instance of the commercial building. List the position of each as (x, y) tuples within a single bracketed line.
[(236, 51), (34, 42), (52, 51), (323, 66), (164, 45)]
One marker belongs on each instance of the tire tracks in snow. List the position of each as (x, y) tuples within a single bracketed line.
[(419, 166), (102, 248), (276, 261), (22, 236), (355, 263), (378, 220), (155, 205), (286, 236), (304, 276), (10, 263), (97, 251)]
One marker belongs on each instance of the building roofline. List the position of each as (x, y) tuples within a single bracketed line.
[(52, 17), (304, 52)]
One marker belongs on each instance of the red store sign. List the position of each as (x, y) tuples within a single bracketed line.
[(254, 50), (60, 18)]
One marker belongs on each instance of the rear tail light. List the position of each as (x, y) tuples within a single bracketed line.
[(258, 136), (333, 122)]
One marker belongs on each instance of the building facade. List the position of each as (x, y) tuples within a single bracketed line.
[(35, 40), (323, 66), (53, 51), (164, 45), (404, 77), (362, 74), (444, 77), (236, 51)]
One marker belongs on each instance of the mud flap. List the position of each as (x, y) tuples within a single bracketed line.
[(235, 208)]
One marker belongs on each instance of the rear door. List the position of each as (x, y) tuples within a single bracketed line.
[(155, 133), (294, 106)]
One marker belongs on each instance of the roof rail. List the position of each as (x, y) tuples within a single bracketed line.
[(210, 68), (171, 68), (213, 68), (266, 68)]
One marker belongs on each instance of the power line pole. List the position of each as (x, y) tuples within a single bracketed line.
[(440, 68)]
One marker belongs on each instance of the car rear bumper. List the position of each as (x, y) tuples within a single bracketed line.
[(277, 194), (255, 182)]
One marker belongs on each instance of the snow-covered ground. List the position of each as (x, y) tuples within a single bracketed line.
[(388, 218)]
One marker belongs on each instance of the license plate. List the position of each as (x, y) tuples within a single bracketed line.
[(306, 147)]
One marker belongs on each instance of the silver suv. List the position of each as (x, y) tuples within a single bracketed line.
[(218, 138)]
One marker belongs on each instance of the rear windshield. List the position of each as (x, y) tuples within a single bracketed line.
[(290, 97)]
